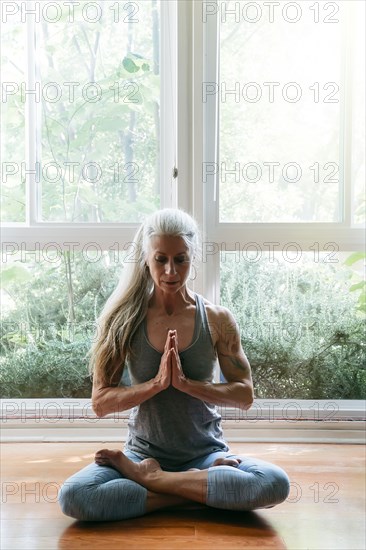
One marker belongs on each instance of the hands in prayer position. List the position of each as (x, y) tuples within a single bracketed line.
[(170, 369)]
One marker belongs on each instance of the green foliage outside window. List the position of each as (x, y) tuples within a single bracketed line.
[(49, 322), (302, 325)]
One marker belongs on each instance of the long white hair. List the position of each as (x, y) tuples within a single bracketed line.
[(127, 306)]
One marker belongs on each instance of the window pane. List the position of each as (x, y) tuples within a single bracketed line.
[(280, 111), (99, 112), (12, 121), (50, 300), (301, 318)]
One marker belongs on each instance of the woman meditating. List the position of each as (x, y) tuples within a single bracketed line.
[(170, 339)]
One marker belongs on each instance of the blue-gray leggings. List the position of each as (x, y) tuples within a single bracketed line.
[(100, 493)]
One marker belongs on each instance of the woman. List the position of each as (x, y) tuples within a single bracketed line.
[(170, 338)]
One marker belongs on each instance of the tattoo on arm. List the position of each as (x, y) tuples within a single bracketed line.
[(238, 364)]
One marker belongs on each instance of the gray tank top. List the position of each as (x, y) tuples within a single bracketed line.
[(172, 426)]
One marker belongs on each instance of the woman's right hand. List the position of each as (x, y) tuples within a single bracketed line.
[(164, 375)]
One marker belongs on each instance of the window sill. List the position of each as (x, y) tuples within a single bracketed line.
[(268, 420)]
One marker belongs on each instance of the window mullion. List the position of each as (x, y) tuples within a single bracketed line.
[(31, 175), (345, 144), (168, 111), (209, 169), (210, 98)]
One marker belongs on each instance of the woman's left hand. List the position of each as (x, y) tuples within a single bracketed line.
[(178, 378)]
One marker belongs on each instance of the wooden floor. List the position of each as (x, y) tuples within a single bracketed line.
[(325, 509)]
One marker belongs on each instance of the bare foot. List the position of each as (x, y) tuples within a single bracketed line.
[(227, 462), (141, 472)]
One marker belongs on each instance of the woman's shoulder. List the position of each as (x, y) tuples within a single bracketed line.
[(215, 309), (219, 317)]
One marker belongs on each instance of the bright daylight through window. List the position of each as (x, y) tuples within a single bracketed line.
[(286, 190), (283, 169), (81, 147)]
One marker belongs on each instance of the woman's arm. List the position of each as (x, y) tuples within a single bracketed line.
[(107, 399), (238, 390), (110, 399)]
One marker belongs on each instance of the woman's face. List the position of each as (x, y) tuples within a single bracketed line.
[(169, 263)]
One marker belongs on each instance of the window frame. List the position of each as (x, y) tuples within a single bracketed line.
[(33, 234), (187, 151), (282, 420), (230, 235), (342, 233)]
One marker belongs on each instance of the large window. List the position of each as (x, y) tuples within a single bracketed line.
[(87, 89), (260, 105), (283, 173), (85, 103)]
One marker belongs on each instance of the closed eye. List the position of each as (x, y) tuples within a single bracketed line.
[(178, 260), (181, 260)]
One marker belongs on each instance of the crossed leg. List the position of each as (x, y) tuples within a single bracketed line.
[(164, 488), (120, 487)]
